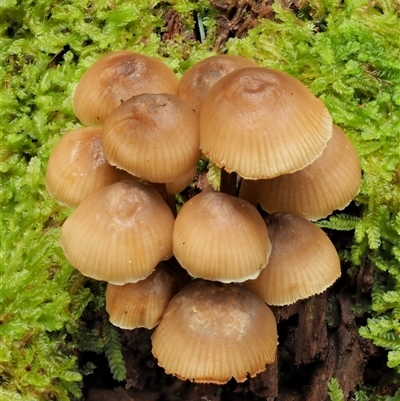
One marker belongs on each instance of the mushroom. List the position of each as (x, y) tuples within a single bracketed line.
[(119, 234), (152, 136), (182, 182), (198, 79), (211, 332), (261, 123), (114, 79), (77, 167), (142, 304), (329, 183), (220, 237), (303, 261)]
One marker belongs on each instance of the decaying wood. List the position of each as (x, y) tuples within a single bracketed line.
[(238, 16)]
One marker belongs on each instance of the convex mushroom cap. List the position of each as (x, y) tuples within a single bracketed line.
[(220, 237), (119, 234), (329, 183), (115, 78), (211, 332), (77, 167), (200, 77), (141, 304), (261, 123), (303, 261), (179, 184), (152, 136)]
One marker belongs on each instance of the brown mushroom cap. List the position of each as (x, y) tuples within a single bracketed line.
[(329, 183), (141, 304), (115, 78), (181, 183), (220, 237), (200, 77), (262, 123), (211, 332), (119, 234), (152, 136), (303, 261), (77, 167)]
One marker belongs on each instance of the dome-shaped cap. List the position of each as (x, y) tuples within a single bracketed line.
[(152, 136), (220, 237), (141, 304), (182, 182), (262, 123), (303, 261), (115, 78), (200, 77), (119, 234), (211, 332), (329, 183), (77, 167)]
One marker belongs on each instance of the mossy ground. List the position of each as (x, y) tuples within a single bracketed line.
[(347, 53)]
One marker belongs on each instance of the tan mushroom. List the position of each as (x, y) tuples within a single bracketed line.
[(115, 78), (211, 332), (198, 79), (142, 304), (261, 123), (303, 261), (152, 136), (329, 183), (119, 234), (220, 237), (77, 167), (182, 182)]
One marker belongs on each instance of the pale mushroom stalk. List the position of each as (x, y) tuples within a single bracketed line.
[(250, 190), (169, 199), (228, 183)]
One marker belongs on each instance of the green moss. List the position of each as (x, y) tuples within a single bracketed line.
[(347, 53)]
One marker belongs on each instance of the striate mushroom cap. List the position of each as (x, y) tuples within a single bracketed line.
[(119, 234), (153, 136), (141, 304), (200, 77), (303, 261), (211, 332), (115, 78), (182, 182), (220, 237), (262, 123), (77, 167), (329, 183)]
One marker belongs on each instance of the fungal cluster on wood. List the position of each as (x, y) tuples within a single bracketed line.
[(145, 133)]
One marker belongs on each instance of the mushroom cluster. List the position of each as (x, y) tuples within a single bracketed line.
[(145, 133)]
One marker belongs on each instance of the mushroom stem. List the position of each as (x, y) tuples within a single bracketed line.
[(228, 183), (169, 199), (249, 191)]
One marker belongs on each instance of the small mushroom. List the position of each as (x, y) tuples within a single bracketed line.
[(329, 183), (115, 78), (211, 332), (142, 304), (261, 123), (303, 261), (198, 79), (220, 237), (119, 234), (182, 182), (77, 167), (152, 136)]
